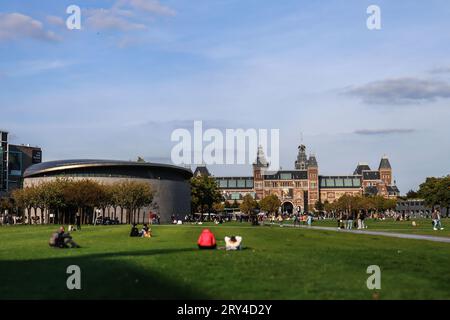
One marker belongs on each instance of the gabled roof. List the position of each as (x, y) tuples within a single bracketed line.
[(360, 167), (384, 163), (312, 161), (201, 171)]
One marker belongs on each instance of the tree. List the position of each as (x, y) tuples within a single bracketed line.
[(411, 194), (249, 206), (218, 207), (204, 194), (436, 192), (133, 196), (270, 203), (429, 191), (319, 206)]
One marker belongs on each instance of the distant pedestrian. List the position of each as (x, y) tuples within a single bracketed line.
[(436, 216), (350, 218)]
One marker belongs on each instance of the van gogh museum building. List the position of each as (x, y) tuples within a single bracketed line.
[(171, 183)]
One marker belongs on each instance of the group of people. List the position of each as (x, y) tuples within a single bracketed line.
[(350, 220), (207, 240), (145, 232)]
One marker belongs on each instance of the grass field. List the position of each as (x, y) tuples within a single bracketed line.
[(276, 263)]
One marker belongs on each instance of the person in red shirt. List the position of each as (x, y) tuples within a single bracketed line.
[(206, 240)]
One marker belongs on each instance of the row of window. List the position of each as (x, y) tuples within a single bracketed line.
[(411, 203), (235, 183), (340, 182), (237, 195)]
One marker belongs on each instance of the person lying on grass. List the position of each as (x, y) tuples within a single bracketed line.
[(61, 239), (233, 243)]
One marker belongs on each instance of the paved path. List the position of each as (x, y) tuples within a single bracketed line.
[(377, 233)]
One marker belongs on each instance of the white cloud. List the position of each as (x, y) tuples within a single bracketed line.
[(55, 20), (14, 26), (401, 91), (112, 19), (151, 6), (126, 15)]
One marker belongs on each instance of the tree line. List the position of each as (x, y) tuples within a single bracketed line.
[(354, 204), (64, 198), (436, 192)]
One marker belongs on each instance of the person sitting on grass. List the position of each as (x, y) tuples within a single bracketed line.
[(134, 231), (146, 231), (233, 243), (206, 240), (61, 239)]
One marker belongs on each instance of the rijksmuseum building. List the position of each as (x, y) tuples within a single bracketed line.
[(301, 188)]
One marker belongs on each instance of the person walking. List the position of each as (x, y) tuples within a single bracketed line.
[(350, 218), (436, 216)]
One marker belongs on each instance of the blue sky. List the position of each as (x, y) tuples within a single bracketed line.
[(138, 69)]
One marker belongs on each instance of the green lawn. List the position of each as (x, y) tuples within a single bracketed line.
[(277, 263)]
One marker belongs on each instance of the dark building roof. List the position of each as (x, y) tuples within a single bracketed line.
[(105, 167), (370, 175), (392, 190), (340, 182), (312, 161), (384, 163), (201, 171), (371, 190), (287, 175), (361, 166)]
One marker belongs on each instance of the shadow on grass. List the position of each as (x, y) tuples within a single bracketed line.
[(103, 276)]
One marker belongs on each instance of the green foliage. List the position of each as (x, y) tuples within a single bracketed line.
[(411, 194), (349, 203), (270, 203), (319, 206), (204, 194), (436, 191), (248, 205), (83, 195)]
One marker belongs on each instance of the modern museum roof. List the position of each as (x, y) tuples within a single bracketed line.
[(67, 165)]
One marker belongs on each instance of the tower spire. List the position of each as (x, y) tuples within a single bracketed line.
[(260, 158)]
